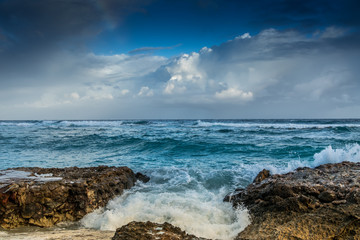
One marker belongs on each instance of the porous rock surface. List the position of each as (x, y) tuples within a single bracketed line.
[(152, 231), (319, 203), (45, 196)]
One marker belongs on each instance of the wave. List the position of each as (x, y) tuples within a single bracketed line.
[(91, 123), (276, 125), (349, 153), (65, 123), (202, 213), (19, 124)]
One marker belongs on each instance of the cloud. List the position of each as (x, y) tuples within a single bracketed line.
[(272, 74), (145, 92), (244, 36), (234, 93), (185, 74), (333, 32)]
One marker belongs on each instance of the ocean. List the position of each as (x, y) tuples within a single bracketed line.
[(192, 164)]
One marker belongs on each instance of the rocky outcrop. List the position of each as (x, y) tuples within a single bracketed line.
[(152, 231), (320, 203), (45, 196)]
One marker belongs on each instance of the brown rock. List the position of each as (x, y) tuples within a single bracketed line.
[(46, 196), (152, 231), (261, 176), (327, 196), (320, 203)]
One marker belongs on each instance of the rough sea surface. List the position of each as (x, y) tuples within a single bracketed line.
[(193, 164)]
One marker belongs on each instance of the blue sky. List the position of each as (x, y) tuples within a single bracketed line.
[(77, 59), (186, 26)]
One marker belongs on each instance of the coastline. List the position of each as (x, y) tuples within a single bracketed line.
[(308, 203), (44, 197)]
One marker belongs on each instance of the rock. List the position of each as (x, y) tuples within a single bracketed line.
[(319, 203), (262, 175), (142, 177), (151, 231), (46, 196), (327, 196)]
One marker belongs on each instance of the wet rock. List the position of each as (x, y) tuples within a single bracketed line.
[(45, 196), (142, 177), (327, 196), (151, 231), (319, 203), (262, 175)]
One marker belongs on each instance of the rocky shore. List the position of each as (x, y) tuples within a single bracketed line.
[(319, 203), (46, 196)]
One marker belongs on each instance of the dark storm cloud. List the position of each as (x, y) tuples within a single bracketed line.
[(35, 33), (44, 21)]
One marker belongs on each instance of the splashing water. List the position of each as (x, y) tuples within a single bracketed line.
[(192, 164)]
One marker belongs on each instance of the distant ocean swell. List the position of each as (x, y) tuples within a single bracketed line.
[(193, 164)]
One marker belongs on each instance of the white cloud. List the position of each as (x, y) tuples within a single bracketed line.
[(124, 92), (205, 50), (234, 93), (146, 92), (185, 74), (75, 96), (316, 88), (271, 72), (244, 36)]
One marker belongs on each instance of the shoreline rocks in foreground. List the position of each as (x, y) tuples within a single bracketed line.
[(319, 203), (46, 196), (152, 231)]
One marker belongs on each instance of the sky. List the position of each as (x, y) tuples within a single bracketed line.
[(179, 59)]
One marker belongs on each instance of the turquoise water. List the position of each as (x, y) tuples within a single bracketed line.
[(192, 163)]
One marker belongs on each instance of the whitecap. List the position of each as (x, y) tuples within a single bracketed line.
[(202, 213)]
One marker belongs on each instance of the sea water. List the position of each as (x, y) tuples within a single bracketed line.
[(192, 164)]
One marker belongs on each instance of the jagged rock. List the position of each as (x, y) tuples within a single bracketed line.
[(262, 175), (142, 177), (152, 231), (319, 203), (45, 196)]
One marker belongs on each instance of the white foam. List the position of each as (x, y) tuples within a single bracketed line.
[(9, 175), (19, 124), (201, 213), (349, 153), (92, 123), (273, 125)]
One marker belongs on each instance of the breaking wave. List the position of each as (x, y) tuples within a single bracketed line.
[(201, 213), (278, 125)]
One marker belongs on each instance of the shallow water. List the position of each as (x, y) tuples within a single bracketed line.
[(193, 164)]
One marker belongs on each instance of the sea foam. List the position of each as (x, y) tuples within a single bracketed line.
[(201, 213), (349, 153), (201, 123)]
